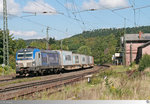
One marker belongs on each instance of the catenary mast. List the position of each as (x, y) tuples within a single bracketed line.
[(5, 35)]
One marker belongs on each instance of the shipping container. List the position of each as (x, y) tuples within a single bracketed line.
[(65, 57)]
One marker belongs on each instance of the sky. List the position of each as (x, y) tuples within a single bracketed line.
[(29, 19)]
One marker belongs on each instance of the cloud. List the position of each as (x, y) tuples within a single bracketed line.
[(25, 34), (101, 4), (90, 5), (21, 33), (39, 6), (12, 7), (113, 3)]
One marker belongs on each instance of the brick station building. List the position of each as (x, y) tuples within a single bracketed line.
[(135, 45)]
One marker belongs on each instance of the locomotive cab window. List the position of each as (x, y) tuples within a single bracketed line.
[(25, 55), (29, 55), (20, 55)]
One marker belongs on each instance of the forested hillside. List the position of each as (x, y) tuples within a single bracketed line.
[(108, 31)]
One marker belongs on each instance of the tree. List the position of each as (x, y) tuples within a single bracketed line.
[(52, 41), (84, 50), (38, 44), (104, 48), (20, 43)]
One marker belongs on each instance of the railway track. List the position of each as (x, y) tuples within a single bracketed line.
[(14, 78), (25, 89)]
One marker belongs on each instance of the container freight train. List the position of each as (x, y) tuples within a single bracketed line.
[(34, 61)]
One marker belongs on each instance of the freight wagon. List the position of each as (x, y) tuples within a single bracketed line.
[(35, 61)]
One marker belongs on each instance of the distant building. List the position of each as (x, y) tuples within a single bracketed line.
[(134, 46)]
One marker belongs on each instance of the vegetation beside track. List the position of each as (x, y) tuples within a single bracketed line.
[(6, 70), (115, 83)]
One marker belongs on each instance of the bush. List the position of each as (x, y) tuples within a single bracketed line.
[(144, 62), (133, 65), (7, 70)]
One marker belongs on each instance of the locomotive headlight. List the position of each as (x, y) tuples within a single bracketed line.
[(33, 63)]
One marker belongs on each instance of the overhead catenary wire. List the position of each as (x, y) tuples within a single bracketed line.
[(71, 12), (106, 9), (81, 20), (122, 8), (77, 9), (42, 5), (146, 6), (37, 23), (52, 11)]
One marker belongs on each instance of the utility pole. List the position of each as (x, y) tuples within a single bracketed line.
[(5, 35), (130, 53), (124, 45), (47, 38)]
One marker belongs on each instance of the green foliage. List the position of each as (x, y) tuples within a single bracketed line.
[(7, 70), (20, 44), (52, 40), (84, 50), (38, 44), (133, 65), (95, 80), (144, 62), (104, 48)]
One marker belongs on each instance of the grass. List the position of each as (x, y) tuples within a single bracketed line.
[(107, 85), (120, 68)]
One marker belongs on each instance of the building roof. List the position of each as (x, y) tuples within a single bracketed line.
[(135, 37)]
